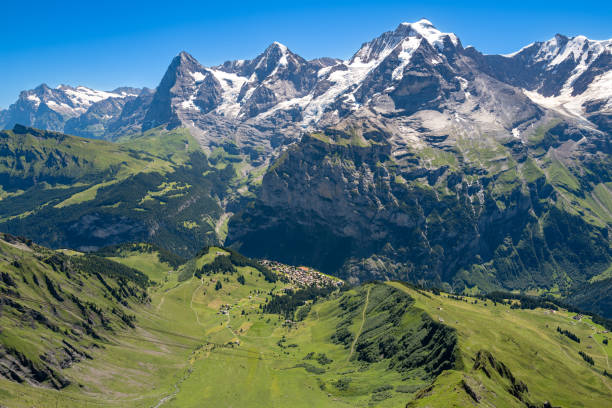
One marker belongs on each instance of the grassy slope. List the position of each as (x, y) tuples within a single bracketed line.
[(33, 339), (168, 359), (528, 343), (146, 262)]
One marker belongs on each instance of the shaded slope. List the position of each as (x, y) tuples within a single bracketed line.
[(512, 215), (66, 191)]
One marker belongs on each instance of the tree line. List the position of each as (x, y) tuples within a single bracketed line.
[(569, 334), (287, 304)]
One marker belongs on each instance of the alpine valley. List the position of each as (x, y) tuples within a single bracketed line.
[(420, 225)]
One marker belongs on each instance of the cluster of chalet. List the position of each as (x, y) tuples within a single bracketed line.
[(301, 275), (224, 309)]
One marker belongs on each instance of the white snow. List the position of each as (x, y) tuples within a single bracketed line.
[(516, 133), (431, 34), (358, 67), (282, 61), (342, 80), (573, 48), (197, 76), (79, 99), (34, 99), (65, 109), (584, 52), (516, 52), (231, 84), (600, 88), (84, 97), (409, 45), (580, 49), (281, 46), (189, 105)]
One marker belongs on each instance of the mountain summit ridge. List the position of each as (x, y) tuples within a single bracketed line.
[(280, 90)]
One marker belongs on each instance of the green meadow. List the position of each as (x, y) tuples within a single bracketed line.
[(195, 344)]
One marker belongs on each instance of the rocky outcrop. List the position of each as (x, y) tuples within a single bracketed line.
[(15, 366), (342, 202)]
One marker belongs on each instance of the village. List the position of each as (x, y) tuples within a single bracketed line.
[(301, 275)]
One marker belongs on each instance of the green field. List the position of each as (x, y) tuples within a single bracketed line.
[(186, 352)]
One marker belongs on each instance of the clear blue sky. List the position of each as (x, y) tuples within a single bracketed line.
[(105, 44)]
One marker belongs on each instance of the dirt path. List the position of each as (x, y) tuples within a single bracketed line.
[(191, 303), (161, 302), (605, 352), (603, 379), (363, 318), (227, 324), (168, 397)]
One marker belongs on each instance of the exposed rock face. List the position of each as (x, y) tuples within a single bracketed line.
[(95, 122), (15, 366), (344, 202), (549, 67), (131, 116), (408, 74), (185, 88)]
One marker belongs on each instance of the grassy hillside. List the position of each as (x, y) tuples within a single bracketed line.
[(84, 194), (58, 310), (528, 344), (150, 259), (214, 340)]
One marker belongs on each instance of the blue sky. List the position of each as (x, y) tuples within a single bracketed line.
[(105, 44)]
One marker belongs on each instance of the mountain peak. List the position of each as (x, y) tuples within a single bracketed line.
[(276, 56), (276, 45), (422, 29), (184, 64), (276, 52), (42, 87), (63, 87), (422, 22), (425, 29), (184, 56)]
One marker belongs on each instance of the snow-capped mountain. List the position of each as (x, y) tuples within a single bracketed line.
[(570, 75), (414, 76), (414, 73), (51, 108)]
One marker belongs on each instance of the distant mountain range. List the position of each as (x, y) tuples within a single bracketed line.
[(278, 95), (414, 159)]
